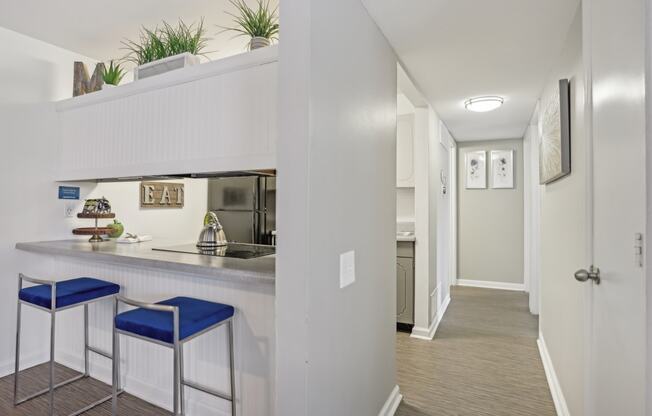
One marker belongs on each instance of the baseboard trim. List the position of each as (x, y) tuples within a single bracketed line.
[(429, 333), (141, 389), (520, 287), (553, 382), (26, 361), (391, 405)]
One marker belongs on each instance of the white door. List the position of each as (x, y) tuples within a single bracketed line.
[(615, 47)]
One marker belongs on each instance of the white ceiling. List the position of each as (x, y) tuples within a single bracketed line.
[(96, 29), (457, 49)]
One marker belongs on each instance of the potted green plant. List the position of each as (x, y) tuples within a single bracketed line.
[(166, 48), (112, 75), (259, 23)]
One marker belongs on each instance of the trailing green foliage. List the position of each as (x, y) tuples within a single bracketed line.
[(261, 21), (166, 41), (113, 74)]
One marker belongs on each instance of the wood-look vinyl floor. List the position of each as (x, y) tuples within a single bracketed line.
[(484, 360), (68, 398)]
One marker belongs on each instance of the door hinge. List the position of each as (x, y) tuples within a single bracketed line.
[(638, 249)]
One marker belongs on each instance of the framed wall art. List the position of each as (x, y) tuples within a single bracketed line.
[(502, 169), (554, 148), (476, 169)]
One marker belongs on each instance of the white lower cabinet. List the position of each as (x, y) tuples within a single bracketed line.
[(215, 117)]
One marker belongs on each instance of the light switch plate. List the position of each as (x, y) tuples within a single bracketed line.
[(347, 268)]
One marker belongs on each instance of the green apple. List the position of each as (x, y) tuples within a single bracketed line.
[(116, 229)]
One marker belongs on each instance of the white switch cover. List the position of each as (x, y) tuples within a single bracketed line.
[(347, 268)]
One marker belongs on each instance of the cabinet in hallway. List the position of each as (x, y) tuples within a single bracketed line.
[(405, 284)]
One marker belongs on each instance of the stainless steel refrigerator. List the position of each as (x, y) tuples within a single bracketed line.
[(246, 207)]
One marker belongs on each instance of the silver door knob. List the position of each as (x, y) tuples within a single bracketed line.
[(592, 274)]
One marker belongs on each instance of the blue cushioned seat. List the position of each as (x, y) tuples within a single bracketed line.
[(195, 315), (69, 292)]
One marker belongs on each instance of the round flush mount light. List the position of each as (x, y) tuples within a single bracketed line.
[(483, 104)]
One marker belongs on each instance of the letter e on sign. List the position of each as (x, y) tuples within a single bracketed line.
[(161, 195)]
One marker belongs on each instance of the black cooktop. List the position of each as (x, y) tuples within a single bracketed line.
[(236, 250)]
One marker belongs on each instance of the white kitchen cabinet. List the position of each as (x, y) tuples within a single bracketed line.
[(215, 117), (405, 151)]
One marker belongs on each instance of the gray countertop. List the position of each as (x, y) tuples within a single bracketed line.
[(258, 270)]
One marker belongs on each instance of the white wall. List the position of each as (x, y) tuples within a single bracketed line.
[(432, 248), (434, 165), (405, 204), (181, 225), (445, 254), (405, 196), (532, 214), (425, 247), (564, 239), (336, 192), (648, 176), (33, 73)]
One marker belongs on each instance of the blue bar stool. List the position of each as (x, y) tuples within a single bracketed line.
[(172, 323), (66, 294)]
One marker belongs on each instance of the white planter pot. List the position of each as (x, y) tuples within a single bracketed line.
[(258, 42), (108, 86), (165, 65)]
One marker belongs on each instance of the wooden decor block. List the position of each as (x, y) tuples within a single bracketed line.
[(162, 195), (96, 216), (81, 84)]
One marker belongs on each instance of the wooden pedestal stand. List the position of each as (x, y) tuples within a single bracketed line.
[(96, 232)]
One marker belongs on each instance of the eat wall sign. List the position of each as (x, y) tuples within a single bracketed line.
[(161, 195)]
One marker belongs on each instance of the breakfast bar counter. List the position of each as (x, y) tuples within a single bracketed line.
[(151, 276), (255, 270)]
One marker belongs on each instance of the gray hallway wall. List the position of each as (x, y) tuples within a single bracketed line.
[(490, 221)]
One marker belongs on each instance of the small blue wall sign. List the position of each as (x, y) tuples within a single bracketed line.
[(68, 192)]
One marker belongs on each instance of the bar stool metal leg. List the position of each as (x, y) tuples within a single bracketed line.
[(181, 378), (17, 364), (116, 362), (52, 341), (231, 353), (86, 352), (177, 366)]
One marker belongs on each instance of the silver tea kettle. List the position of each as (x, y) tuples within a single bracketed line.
[(213, 233)]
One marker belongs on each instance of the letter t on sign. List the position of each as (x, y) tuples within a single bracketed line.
[(179, 190)]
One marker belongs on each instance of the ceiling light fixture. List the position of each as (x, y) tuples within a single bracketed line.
[(483, 104)]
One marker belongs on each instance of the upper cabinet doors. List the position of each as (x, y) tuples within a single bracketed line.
[(405, 151), (216, 117)]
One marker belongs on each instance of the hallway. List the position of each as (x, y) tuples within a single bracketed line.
[(484, 360)]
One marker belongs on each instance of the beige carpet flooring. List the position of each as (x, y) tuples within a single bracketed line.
[(483, 361)]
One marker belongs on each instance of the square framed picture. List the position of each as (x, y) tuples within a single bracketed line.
[(502, 169), (476, 169)]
